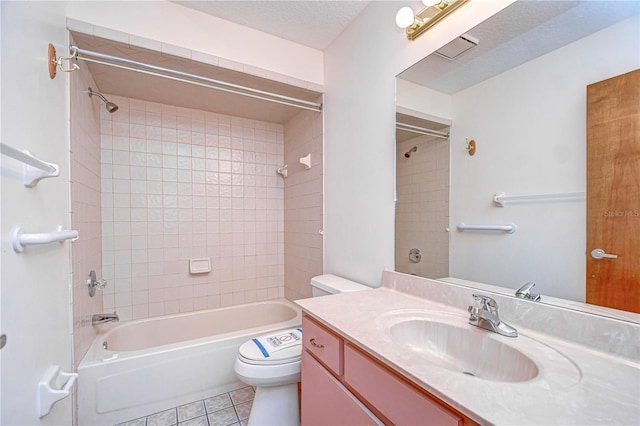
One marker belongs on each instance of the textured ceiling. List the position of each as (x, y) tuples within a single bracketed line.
[(519, 33), (313, 23)]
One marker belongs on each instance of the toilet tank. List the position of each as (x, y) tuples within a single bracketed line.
[(323, 285)]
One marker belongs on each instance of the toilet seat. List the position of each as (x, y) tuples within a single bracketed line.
[(282, 347)]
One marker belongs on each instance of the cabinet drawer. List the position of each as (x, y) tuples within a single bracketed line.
[(400, 402), (325, 401), (324, 345)]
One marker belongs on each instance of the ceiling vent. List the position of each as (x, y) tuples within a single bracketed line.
[(457, 47)]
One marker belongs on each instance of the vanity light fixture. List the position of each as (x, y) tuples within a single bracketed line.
[(434, 12)]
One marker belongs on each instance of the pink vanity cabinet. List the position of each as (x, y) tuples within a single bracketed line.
[(342, 385)]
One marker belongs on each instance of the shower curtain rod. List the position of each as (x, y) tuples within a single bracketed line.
[(204, 81), (421, 130)]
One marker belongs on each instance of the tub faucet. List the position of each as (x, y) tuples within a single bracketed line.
[(524, 292), (97, 319), (486, 316)]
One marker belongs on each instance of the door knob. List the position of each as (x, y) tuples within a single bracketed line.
[(600, 254)]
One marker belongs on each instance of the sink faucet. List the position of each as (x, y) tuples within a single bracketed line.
[(486, 316), (524, 292), (97, 319)]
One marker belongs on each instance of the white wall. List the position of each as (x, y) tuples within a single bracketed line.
[(424, 100), (530, 127), (360, 70), (36, 302)]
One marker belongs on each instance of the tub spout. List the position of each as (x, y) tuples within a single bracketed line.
[(97, 319)]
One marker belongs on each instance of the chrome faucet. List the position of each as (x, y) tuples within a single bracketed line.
[(486, 316), (524, 292), (98, 319)]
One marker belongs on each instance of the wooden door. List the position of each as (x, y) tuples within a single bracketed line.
[(613, 189)]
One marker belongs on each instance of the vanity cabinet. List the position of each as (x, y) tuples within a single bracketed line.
[(343, 385), (325, 401)]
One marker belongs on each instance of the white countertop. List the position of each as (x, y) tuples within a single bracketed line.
[(592, 388)]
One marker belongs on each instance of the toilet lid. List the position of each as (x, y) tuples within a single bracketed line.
[(281, 347)]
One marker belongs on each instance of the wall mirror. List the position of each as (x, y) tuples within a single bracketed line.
[(516, 87)]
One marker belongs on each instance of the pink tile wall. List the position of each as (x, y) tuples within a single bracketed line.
[(179, 184), (85, 208), (422, 208), (303, 204)]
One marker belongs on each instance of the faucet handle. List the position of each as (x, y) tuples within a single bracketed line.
[(486, 303), (524, 292), (474, 312), (526, 287)]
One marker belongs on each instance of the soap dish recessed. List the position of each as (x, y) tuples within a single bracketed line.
[(200, 266)]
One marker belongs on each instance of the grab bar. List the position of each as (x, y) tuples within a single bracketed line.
[(20, 239), (34, 168), (509, 228), (500, 199)]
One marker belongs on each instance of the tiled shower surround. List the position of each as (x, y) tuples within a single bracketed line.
[(179, 184), (422, 208)]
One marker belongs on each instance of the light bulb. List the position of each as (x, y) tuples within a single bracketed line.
[(405, 17), (428, 3)]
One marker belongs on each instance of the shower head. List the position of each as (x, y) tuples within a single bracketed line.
[(408, 153), (110, 106)]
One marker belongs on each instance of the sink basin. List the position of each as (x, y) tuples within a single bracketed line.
[(449, 342)]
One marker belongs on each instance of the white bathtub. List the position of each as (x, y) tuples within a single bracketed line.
[(155, 364)]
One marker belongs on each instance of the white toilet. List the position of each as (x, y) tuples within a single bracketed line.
[(271, 363)]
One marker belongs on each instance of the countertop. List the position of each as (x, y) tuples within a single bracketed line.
[(589, 387)]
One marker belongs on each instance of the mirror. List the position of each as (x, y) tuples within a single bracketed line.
[(518, 91)]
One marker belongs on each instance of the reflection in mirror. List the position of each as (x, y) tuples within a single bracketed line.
[(422, 195), (521, 95)]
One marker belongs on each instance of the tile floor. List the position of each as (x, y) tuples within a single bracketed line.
[(231, 408)]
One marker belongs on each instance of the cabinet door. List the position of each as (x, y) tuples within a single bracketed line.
[(326, 402), (401, 403)]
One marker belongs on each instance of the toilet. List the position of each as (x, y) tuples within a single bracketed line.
[(271, 363)]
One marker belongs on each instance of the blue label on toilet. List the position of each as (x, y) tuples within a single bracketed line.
[(276, 342)]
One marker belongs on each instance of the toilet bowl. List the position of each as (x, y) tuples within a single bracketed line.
[(272, 363)]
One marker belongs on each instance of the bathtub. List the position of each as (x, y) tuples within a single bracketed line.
[(155, 364)]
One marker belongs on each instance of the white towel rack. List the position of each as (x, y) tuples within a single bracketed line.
[(54, 385), (509, 228), (500, 199), (34, 168), (20, 239)]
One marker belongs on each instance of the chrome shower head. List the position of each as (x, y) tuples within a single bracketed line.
[(408, 153), (110, 106)]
